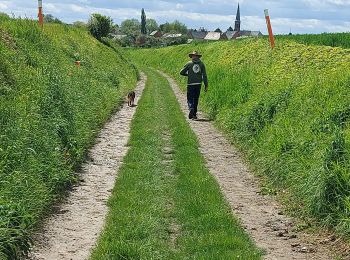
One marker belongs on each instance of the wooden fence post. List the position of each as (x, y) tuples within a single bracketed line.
[(40, 13), (269, 28)]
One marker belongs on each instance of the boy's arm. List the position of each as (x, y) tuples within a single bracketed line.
[(184, 71)]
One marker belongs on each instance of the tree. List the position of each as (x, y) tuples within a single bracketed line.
[(230, 29), (180, 27), (100, 25), (164, 27), (174, 27), (130, 27), (151, 25), (115, 29), (218, 30), (143, 22), (49, 18), (126, 41)]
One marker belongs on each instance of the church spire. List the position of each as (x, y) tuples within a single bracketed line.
[(238, 20)]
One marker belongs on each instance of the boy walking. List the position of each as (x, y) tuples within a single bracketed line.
[(196, 74)]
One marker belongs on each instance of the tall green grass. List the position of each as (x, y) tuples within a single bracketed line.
[(50, 112), (328, 39), (288, 110)]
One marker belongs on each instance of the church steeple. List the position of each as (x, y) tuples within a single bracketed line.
[(238, 20)]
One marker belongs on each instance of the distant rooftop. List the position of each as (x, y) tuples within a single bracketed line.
[(197, 34), (172, 35), (215, 36)]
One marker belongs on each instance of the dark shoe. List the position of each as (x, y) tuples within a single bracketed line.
[(194, 117), (191, 114)]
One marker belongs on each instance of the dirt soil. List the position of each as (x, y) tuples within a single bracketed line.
[(72, 232), (260, 215)]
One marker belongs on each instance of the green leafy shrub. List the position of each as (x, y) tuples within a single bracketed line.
[(100, 25)]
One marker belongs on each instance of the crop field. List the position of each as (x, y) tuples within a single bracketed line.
[(328, 39), (50, 112), (287, 110)]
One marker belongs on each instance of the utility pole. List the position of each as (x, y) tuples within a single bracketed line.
[(40, 13), (269, 28)]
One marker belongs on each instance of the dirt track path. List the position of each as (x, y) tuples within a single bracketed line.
[(260, 215), (73, 231)]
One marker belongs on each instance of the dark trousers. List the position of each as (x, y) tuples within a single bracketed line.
[(193, 92)]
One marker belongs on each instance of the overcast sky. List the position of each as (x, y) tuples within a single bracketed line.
[(299, 16)]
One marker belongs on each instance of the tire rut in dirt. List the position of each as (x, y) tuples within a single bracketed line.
[(260, 215), (73, 232)]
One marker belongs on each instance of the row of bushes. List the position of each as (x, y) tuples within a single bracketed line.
[(288, 110), (50, 112)]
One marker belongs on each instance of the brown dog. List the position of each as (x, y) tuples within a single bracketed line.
[(131, 98)]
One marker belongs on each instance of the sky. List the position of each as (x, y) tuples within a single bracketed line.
[(297, 16)]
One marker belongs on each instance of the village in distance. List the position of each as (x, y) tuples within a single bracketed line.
[(148, 33), (174, 33)]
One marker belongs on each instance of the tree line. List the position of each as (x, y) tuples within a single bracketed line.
[(131, 32)]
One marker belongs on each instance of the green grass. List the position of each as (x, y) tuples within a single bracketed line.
[(50, 112), (165, 204), (328, 39), (287, 109)]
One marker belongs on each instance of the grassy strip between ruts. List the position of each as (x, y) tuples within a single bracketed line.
[(165, 204)]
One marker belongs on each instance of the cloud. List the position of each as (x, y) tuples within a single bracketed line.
[(179, 6), (117, 14), (53, 8), (80, 9), (339, 2), (325, 3), (205, 18), (84, 1), (3, 6)]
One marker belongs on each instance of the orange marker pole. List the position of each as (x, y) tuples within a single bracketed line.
[(269, 28), (40, 14)]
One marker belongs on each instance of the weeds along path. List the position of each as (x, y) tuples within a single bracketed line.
[(72, 232), (260, 215)]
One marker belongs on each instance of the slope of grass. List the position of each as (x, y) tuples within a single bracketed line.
[(166, 205), (328, 39), (288, 109), (50, 111)]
